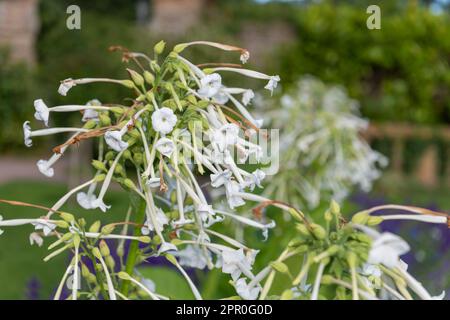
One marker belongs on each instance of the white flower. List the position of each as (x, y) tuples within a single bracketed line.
[(27, 134), (42, 113), (165, 146), (46, 226), (247, 97), (35, 238), (65, 86), (220, 178), (44, 168), (386, 250), (153, 182), (210, 85), (439, 297), (98, 203), (161, 220), (114, 140), (220, 97), (233, 261), (207, 214), (245, 55), (164, 120), (166, 246), (91, 114), (193, 257), (255, 179), (245, 291), (86, 200), (149, 284), (232, 187), (272, 84), (225, 136)]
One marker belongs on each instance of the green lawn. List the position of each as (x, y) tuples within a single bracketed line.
[(20, 262)]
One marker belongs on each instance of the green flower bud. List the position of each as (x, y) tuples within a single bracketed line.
[(287, 295), (96, 252), (109, 155), (95, 227), (328, 216), (105, 120), (303, 229), (128, 83), (145, 239), (335, 208), (352, 259), (138, 158), (136, 77), (171, 259), (104, 249), (179, 47), (84, 270), (159, 47), (61, 224), (67, 217), (82, 222), (374, 221), (318, 231), (117, 110), (156, 240), (107, 229), (99, 165), (90, 124), (280, 266), (149, 77), (100, 177), (327, 279), (123, 275), (129, 184), (127, 154), (91, 278), (360, 217)]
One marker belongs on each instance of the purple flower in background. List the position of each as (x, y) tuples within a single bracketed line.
[(33, 289)]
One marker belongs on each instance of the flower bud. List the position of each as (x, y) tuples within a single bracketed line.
[(179, 47), (95, 227), (105, 120), (107, 229), (287, 295), (280, 266), (109, 155), (82, 222), (335, 208), (318, 231), (138, 158), (136, 77), (67, 217), (100, 177), (84, 270), (149, 77), (360, 217), (373, 220), (128, 83), (99, 165), (159, 47), (90, 124), (61, 224), (123, 275), (117, 110), (129, 184), (327, 279), (144, 239), (104, 249), (302, 229), (109, 260), (96, 252)]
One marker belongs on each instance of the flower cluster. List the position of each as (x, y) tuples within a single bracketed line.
[(322, 153), (153, 150)]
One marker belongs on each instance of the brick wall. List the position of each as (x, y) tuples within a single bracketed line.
[(18, 28)]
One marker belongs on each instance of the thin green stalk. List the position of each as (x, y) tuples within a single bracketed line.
[(134, 247)]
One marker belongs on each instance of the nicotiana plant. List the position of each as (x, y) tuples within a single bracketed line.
[(154, 148), (323, 155)]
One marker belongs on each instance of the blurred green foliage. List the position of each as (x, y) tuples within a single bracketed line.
[(15, 93), (400, 72)]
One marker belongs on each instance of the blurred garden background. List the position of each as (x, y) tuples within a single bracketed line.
[(400, 75)]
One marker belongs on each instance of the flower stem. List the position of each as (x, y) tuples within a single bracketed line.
[(134, 247)]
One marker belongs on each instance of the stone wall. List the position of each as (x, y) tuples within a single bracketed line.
[(18, 28)]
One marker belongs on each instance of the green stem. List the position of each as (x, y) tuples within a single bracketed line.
[(134, 247)]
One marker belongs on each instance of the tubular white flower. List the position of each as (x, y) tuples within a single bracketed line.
[(245, 54), (210, 85), (98, 203), (165, 146), (245, 291), (252, 223), (28, 133), (232, 188), (220, 178), (234, 261), (42, 112), (164, 120), (66, 197), (415, 217), (114, 140), (47, 226), (193, 257), (386, 250), (161, 221), (69, 83), (225, 136), (35, 238)]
